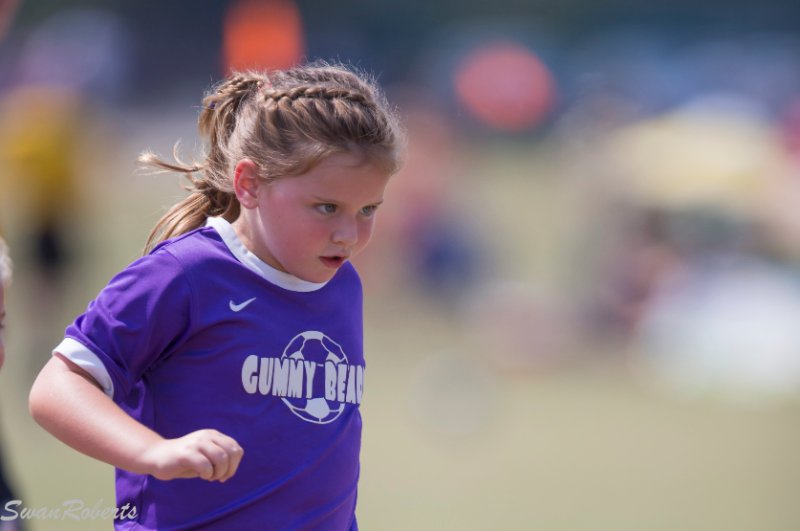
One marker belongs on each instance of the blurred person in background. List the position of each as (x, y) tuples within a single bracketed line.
[(65, 67), (635, 259), (6, 492), (40, 129), (692, 271), (7, 10), (426, 241), (5, 280), (42, 116), (38, 143)]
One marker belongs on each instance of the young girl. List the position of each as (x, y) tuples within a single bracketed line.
[(222, 372)]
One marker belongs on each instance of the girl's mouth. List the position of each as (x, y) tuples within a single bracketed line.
[(333, 262)]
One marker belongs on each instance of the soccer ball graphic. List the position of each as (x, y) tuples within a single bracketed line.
[(317, 348)]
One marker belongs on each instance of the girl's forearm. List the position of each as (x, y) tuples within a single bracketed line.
[(69, 404)]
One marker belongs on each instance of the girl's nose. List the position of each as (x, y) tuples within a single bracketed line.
[(346, 233)]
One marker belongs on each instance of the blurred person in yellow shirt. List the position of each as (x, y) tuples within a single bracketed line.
[(38, 148)]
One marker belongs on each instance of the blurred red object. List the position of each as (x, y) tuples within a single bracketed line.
[(506, 86), (7, 9)]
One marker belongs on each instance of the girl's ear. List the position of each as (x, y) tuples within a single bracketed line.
[(246, 183)]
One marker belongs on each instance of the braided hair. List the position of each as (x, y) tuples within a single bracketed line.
[(286, 122)]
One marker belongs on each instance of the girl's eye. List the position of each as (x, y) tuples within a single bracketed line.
[(327, 208), (369, 210)]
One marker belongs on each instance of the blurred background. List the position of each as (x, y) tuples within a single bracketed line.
[(583, 294)]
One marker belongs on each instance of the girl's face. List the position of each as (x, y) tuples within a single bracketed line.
[(308, 225)]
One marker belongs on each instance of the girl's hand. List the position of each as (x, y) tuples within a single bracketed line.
[(207, 454)]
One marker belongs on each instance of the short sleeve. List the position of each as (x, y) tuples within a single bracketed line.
[(137, 320)]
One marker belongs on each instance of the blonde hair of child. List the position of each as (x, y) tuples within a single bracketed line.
[(286, 122)]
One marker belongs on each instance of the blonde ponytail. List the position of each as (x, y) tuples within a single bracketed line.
[(210, 187)]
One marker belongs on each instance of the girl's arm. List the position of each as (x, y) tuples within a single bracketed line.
[(67, 402)]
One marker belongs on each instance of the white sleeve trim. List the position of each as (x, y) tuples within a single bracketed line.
[(87, 360)]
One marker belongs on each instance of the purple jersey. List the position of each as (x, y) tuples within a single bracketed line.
[(202, 334)]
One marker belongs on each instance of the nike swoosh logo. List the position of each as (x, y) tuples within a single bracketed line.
[(241, 306)]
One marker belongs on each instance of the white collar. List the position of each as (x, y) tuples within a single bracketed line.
[(250, 260)]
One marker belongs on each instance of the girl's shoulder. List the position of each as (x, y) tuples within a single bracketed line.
[(194, 249)]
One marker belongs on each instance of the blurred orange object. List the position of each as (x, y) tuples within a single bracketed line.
[(262, 34), (506, 86)]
